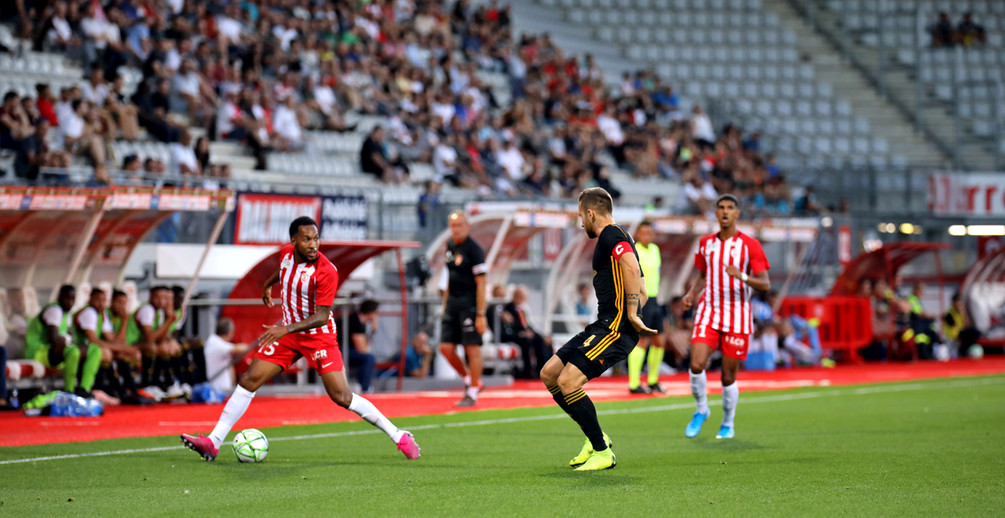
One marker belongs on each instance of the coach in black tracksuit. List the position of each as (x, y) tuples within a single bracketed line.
[(464, 319)]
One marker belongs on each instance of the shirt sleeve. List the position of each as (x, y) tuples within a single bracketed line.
[(758, 262), (52, 315), (106, 324), (145, 315), (699, 258), (327, 285), (478, 266), (87, 320)]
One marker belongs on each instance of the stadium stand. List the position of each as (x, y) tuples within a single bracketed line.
[(408, 67)]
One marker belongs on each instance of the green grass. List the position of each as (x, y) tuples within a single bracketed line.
[(932, 448)]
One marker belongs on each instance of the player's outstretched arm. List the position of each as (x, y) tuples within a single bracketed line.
[(274, 333), (635, 295)]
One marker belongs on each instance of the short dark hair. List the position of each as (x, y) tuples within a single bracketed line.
[(597, 199), (299, 222), (646, 223), (368, 306), (118, 293), (159, 287), (66, 289), (727, 197), (224, 326)]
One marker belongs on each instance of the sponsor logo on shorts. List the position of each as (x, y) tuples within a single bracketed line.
[(321, 354)]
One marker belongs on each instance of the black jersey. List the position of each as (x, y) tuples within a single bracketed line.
[(465, 261), (612, 243)]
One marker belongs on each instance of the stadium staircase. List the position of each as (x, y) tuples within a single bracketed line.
[(857, 24)]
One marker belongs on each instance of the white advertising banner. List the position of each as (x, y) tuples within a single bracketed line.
[(969, 194)]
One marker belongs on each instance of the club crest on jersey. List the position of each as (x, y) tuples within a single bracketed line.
[(287, 262), (306, 275)]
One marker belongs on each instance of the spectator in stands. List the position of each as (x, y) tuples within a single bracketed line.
[(221, 353), (15, 125), (287, 125), (807, 204), (16, 322), (207, 167), (362, 326), (942, 31), (699, 195), (122, 112), (375, 160), (418, 358), (57, 33), (45, 103), (198, 97), (183, 159), (701, 127), (970, 34), (34, 153)]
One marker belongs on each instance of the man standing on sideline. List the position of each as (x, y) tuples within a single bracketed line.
[(617, 280), (464, 320), (729, 264), (308, 285), (652, 314)]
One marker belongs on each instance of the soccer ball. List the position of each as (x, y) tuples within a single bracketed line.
[(251, 445), (976, 352)]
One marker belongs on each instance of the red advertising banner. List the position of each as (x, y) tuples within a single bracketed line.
[(264, 219)]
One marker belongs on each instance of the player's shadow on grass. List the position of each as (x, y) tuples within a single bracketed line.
[(726, 445), (608, 478)]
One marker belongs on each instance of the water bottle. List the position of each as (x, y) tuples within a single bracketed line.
[(12, 398)]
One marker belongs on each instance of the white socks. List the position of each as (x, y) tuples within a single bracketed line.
[(232, 411), (698, 390), (730, 396), (471, 391), (370, 414)]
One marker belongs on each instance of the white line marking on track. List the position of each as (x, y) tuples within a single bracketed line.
[(897, 387)]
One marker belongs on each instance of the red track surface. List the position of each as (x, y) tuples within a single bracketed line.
[(165, 419)]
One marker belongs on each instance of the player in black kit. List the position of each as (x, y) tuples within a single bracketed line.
[(617, 279), (464, 306)]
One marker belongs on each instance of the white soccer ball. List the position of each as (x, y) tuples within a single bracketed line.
[(976, 352), (251, 445)]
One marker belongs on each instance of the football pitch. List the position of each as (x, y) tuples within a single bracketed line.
[(933, 448)]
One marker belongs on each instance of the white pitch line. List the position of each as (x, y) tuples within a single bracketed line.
[(484, 422)]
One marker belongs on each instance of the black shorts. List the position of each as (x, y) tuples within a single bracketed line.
[(652, 315), (597, 348), (458, 326)]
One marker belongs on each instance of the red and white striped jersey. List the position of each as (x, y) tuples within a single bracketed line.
[(305, 286), (725, 302)]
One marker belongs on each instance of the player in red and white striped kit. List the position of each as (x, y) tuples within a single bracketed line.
[(729, 264), (308, 283)]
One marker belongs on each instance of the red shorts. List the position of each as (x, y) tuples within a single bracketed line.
[(734, 345), (321, 350)]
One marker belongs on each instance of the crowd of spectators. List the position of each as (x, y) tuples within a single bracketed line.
[(966, 33), (263, 74)]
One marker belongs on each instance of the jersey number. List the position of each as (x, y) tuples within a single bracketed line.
[(588, 340), (267, 350), (701, 331)]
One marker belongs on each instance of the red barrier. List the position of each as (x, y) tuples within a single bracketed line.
[(845, 322)]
